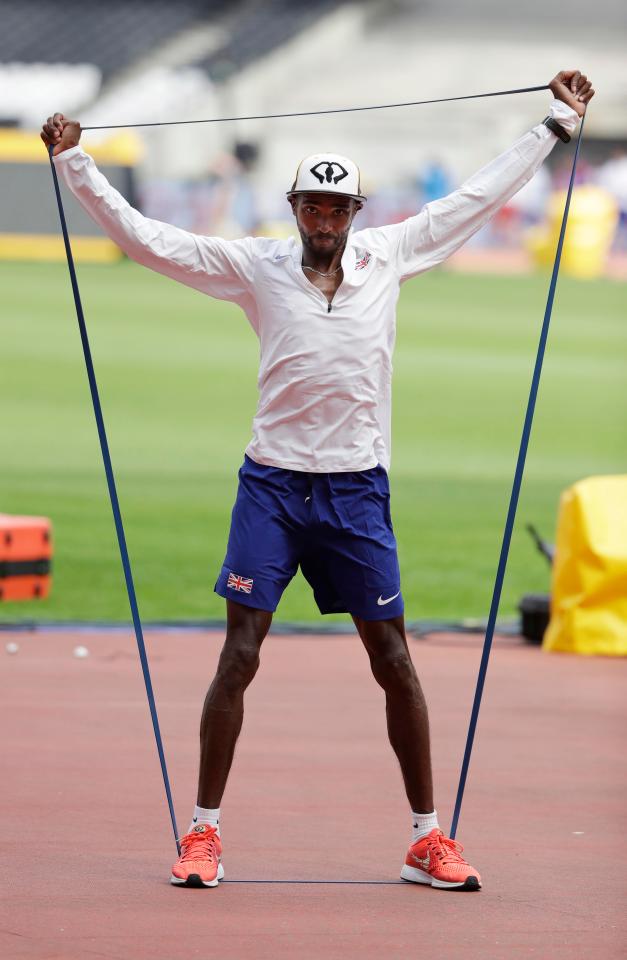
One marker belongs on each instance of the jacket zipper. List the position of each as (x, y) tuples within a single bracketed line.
[(306, 283)]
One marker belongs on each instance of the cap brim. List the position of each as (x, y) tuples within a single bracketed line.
[(328, 193)]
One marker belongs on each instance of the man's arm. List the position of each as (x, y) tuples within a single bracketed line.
[(220, 268), (443, 226)]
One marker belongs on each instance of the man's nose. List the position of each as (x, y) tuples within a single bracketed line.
[(323, 225)]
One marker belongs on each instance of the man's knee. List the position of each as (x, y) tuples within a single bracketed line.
[(239, 662), (394, 671)]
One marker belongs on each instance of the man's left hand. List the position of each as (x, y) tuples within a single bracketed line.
[(573, 88)]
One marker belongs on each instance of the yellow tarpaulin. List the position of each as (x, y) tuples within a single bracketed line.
[(589, 588), (591, 228)]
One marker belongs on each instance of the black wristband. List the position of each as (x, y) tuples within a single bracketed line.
[(559, 131)]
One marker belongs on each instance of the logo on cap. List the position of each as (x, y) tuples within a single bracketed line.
[(328, 174)]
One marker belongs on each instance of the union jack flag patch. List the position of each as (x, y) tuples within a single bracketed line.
[(365, 260), (235, 582)]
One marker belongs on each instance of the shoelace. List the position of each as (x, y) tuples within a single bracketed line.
[(445, 849), (199, 846)]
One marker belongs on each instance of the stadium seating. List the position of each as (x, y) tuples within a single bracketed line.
[(259, 28), (112, 35), (115, 35)]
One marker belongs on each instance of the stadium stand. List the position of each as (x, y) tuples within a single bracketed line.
[(115, 35), (112, 35), (258, 28), (147, 61)]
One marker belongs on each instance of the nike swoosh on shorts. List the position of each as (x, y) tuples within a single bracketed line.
[(381, 602)]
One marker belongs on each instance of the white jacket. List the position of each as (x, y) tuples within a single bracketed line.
[(324, 375)]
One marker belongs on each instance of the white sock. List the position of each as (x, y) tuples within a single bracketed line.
[(206, 815), (422, 824)]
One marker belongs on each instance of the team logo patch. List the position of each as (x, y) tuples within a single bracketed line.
[(329, 174), (235, 582), (365, 260)]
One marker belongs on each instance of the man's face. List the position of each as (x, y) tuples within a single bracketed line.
[(323, 220)]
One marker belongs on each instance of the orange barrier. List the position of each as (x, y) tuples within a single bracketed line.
[(25, 557)]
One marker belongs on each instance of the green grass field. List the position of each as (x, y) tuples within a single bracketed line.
[(177, 374)]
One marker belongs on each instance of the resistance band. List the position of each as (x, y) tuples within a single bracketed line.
[(320, 113), (104, 446), (513, 500), (115, 505)]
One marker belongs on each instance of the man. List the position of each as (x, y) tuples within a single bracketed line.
[(313, 489)]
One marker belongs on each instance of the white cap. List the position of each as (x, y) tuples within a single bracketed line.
[(327, 173)]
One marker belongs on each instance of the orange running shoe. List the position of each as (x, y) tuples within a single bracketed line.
[(199, 863), (438, 861)]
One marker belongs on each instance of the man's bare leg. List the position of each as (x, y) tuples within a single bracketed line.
[(405, 706), (200, 862), (432, 858), (223, 710)]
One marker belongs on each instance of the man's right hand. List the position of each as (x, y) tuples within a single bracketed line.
[(61, 133)]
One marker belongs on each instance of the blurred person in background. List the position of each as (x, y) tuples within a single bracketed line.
[(221, 202), (612, 176), (313, 490), (229, 208), (434, 180), (530, 202)]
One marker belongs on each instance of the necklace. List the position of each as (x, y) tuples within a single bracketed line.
[(320, 273)]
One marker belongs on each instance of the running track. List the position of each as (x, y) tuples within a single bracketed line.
[(315, 794)]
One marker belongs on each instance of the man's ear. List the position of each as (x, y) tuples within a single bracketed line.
[(356, 208), (292, 202)]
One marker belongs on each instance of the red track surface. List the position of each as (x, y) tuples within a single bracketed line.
[(315, 794)]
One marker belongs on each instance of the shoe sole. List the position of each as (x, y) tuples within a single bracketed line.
[(414, 875), (194, 879)]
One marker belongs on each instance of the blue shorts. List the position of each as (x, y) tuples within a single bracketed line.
[(336, 526)]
